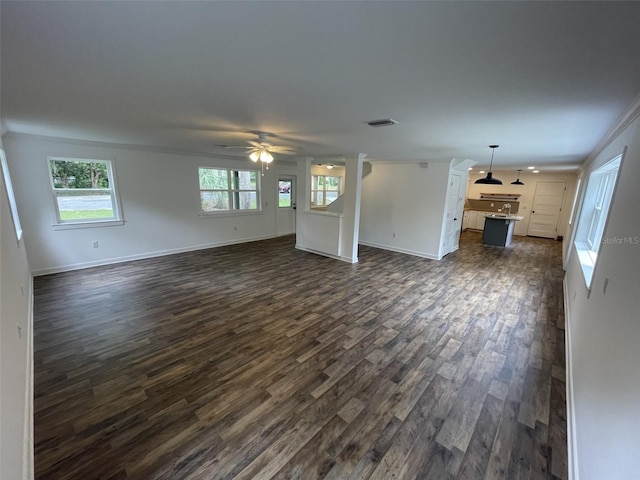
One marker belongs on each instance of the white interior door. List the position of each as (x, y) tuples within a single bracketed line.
[(547, 206), (453, 221), (286, 215)]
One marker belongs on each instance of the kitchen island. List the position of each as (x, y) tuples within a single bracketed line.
[(498, 229)]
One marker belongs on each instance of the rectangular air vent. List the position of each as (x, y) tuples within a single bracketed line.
[(385, 122)]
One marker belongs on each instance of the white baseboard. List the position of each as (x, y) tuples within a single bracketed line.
[(328, 255), (400, 250), (27, 434), (572, 451), (142, 256)]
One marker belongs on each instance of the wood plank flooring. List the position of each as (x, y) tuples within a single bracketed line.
[(259, 361)]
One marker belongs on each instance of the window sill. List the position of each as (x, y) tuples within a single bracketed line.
[(587, 262), (97, 223), (324, 213), (229, 213)]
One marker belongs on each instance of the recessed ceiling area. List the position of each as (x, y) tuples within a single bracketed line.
[(544, 80)]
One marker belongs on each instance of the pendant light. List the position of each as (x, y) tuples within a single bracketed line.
[(489, 178), (517, 182)]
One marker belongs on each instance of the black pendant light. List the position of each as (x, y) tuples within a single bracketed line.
[(517, 182), (489, 178)]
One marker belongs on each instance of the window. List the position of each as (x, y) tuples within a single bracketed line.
[(13, 207), (224, 190), (84, 190), (593, 218), (284, 193), (325, 189), (575, 202)]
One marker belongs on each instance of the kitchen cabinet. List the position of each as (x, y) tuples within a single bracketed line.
[(469, 219), (480, 220), (498, 230), (474, 219)]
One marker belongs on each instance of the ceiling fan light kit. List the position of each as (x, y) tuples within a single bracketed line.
[(261, 154), (489, 180)]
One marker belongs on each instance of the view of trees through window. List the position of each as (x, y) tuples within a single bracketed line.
[(222, 189), (83, 189), (285, 193), (325, 189)]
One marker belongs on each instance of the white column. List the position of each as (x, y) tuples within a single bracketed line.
[(351, 210)]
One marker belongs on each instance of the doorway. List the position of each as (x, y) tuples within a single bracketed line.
[(286, 214), (546, 209)]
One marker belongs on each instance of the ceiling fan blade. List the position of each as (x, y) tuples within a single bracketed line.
[(262, 144), (228, 147), (285, 150)]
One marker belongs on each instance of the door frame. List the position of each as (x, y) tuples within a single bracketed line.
[(293, 209), (451, 240), (533, 203)]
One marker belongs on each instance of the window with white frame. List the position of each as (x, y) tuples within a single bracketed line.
[(84, 190), (325, 189), (225, 190), (593, 216), (575, 202)]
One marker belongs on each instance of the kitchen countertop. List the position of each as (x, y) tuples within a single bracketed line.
[(504, 216)]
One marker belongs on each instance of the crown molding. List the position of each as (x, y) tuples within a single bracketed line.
[(123, 146), (620, 125)]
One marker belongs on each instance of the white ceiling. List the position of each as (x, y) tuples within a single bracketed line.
[(545, 80)]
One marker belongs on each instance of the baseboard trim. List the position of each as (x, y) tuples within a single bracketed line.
[(142, 256), (328, 255), (27, 436), (572, 452), (399, 250)]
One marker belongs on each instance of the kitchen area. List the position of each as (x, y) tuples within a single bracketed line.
[(495, 214)]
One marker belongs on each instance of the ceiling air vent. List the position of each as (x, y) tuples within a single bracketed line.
[(385, 122)]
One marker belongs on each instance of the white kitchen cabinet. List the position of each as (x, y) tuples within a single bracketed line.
[(480, 219), (474, 219), (469, 219)]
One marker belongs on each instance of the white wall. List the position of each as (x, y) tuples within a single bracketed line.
[(16, 349), (527, 192), (604, 334), (408, 201), (160, 202), (16, 402)]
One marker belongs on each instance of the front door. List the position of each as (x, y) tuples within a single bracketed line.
[(547, 205), (286, 216)]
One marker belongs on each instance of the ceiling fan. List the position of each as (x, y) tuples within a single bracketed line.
[(261, 149)]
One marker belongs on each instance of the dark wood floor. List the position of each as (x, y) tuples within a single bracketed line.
[(258, 361)]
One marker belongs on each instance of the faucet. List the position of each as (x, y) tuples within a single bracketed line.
[(508, 207)]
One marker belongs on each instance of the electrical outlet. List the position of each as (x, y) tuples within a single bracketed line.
[(95, 244), (394, 235)]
